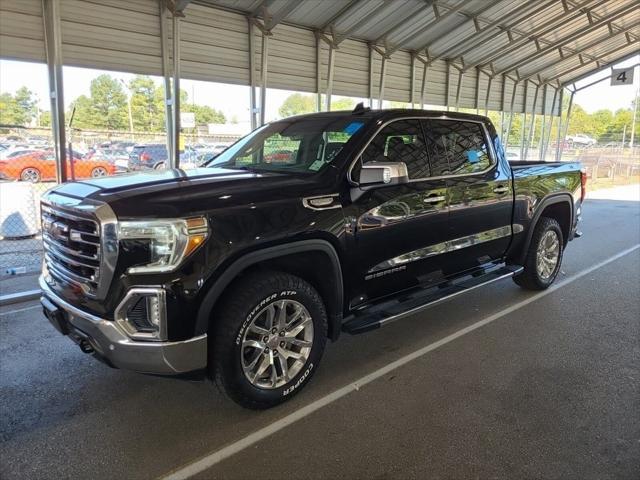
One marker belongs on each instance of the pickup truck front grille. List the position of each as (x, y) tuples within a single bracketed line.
[(72, 251)]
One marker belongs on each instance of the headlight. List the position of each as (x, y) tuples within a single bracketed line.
[(167, 241)]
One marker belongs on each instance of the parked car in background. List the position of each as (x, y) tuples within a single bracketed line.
[(148, 156), (41, 165), (581, 139)]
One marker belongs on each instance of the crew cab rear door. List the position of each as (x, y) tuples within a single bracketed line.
[(480, 191)]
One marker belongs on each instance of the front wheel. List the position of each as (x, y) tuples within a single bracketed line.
[(544, 256), (268, 339)]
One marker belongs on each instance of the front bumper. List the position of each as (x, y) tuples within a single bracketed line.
[(112, 345)]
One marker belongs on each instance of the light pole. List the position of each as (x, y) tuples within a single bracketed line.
[(129, 108)]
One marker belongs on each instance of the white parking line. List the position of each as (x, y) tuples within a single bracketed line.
[(216, 457), (10, 312)]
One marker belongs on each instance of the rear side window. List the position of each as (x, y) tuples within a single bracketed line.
[(456, 147), (400, 141)]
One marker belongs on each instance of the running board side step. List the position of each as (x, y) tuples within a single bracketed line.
[(402, 306)]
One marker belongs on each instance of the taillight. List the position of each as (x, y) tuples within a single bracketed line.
[(145, 157), (583, 183)]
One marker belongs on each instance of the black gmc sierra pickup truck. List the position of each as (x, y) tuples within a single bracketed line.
[(307, 227)]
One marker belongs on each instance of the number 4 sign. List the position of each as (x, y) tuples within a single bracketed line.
[(622, 76)]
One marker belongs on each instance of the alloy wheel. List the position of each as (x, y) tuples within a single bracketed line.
[(277, 343)]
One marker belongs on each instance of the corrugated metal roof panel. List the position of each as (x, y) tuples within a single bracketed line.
[(124, 35)]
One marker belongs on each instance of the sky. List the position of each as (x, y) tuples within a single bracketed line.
[(233, 100)]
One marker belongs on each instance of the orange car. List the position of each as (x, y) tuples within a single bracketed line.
[(41, 165)]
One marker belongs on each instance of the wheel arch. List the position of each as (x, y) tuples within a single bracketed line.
[(290, 258), (558, 207)]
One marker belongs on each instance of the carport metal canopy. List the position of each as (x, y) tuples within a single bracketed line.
[(513, 56)]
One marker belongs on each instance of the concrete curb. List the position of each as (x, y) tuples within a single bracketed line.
[(19, 297)]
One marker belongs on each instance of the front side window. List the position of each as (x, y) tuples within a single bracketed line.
[(456, 147), (400, 141), (298, 146)]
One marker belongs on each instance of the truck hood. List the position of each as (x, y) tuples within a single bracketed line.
[(171, 192)]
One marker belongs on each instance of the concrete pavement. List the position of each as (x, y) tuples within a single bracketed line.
[(549, 390)]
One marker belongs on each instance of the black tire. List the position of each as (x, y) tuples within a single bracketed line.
[(243, 303), (530, 278), (159, 166)]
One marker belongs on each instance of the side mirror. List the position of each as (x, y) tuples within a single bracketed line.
[(383, 173)]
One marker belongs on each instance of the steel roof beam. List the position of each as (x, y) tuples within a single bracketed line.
[(597, 60), (604, 67), (395, 26), (439, 18), (564, 57), (339, 14), (340, 36), (544, 28), (581, 32), (477, 37)]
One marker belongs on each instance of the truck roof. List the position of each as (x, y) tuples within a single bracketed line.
[(389, 114)]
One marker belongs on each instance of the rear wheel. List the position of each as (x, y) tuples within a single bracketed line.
[(160, 166), (543, 257), (269, 337), (99, 172), (30, 174)]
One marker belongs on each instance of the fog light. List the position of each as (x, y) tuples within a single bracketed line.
[(142, 314)]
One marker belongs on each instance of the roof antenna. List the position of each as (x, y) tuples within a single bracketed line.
[(360, 109)]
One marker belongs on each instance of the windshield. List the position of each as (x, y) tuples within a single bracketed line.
[(299, 146)]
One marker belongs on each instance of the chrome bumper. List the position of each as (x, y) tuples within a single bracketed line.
[(112, 344)]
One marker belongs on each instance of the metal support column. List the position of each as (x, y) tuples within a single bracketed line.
[(174, 160), (253, 108), (318, 73), (166, 73), (558, 140), (383, 75), (524, 119), (532, 125), (264, 68), (513, 100), (423, 87), (545, 146), (477, 101), (502, 104), (543, 127), (566, 124), (447, 86), (371, 60), (486, 98), (53, 49), (330, 71), (458, 89), (412, 81)]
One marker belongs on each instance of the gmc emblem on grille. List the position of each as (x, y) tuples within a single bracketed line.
[(56, 229)]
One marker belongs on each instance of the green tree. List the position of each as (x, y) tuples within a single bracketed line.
[(108, 103), (18, 109), (297, 104), (343, 104), (147, 104), (45, 118), (204, 114)]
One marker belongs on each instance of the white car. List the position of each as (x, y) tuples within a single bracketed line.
[(582, 139)]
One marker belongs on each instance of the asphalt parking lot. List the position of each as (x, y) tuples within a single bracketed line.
[(548, 386)]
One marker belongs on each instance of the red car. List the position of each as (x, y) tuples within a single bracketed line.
[(41, 165)]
